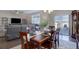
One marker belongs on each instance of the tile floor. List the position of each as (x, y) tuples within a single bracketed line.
[(65, 43)]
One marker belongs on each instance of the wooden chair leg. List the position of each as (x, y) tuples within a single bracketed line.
[(77, 45), (55, 45), (58, 43)]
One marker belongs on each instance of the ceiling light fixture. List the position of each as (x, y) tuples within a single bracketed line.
[(19, 12), (45, 11), (49, 11)]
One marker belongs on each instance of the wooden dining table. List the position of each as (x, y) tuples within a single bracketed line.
[(39, 39)]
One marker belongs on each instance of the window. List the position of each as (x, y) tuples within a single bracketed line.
[(62, 18), (36, 19)]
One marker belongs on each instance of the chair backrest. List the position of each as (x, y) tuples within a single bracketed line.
[(57, 35), (24, 40), (52, 36)]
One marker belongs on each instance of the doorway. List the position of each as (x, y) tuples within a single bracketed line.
[(62, 22)]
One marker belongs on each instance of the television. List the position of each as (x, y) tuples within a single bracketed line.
[(15, 20)]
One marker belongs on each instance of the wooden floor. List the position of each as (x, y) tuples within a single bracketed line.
[(8, 44)]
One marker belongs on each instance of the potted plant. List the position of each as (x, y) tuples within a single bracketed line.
[(44, 23)]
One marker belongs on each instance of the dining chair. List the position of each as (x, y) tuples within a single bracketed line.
[(56, 40), (57, 35), (49, 43), (24, 40), (53, 38)]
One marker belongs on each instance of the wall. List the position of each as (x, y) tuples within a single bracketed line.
[(70, 24), (51, 20), (28, 18), (42, 15), (50, 17), (60, 13), (8, 14), (45, 17)]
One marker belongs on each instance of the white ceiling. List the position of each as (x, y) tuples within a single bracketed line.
[(24, 11), (62, 12), (31, 11), (55, 12)]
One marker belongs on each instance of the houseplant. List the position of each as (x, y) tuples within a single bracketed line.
[(44, 23)]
